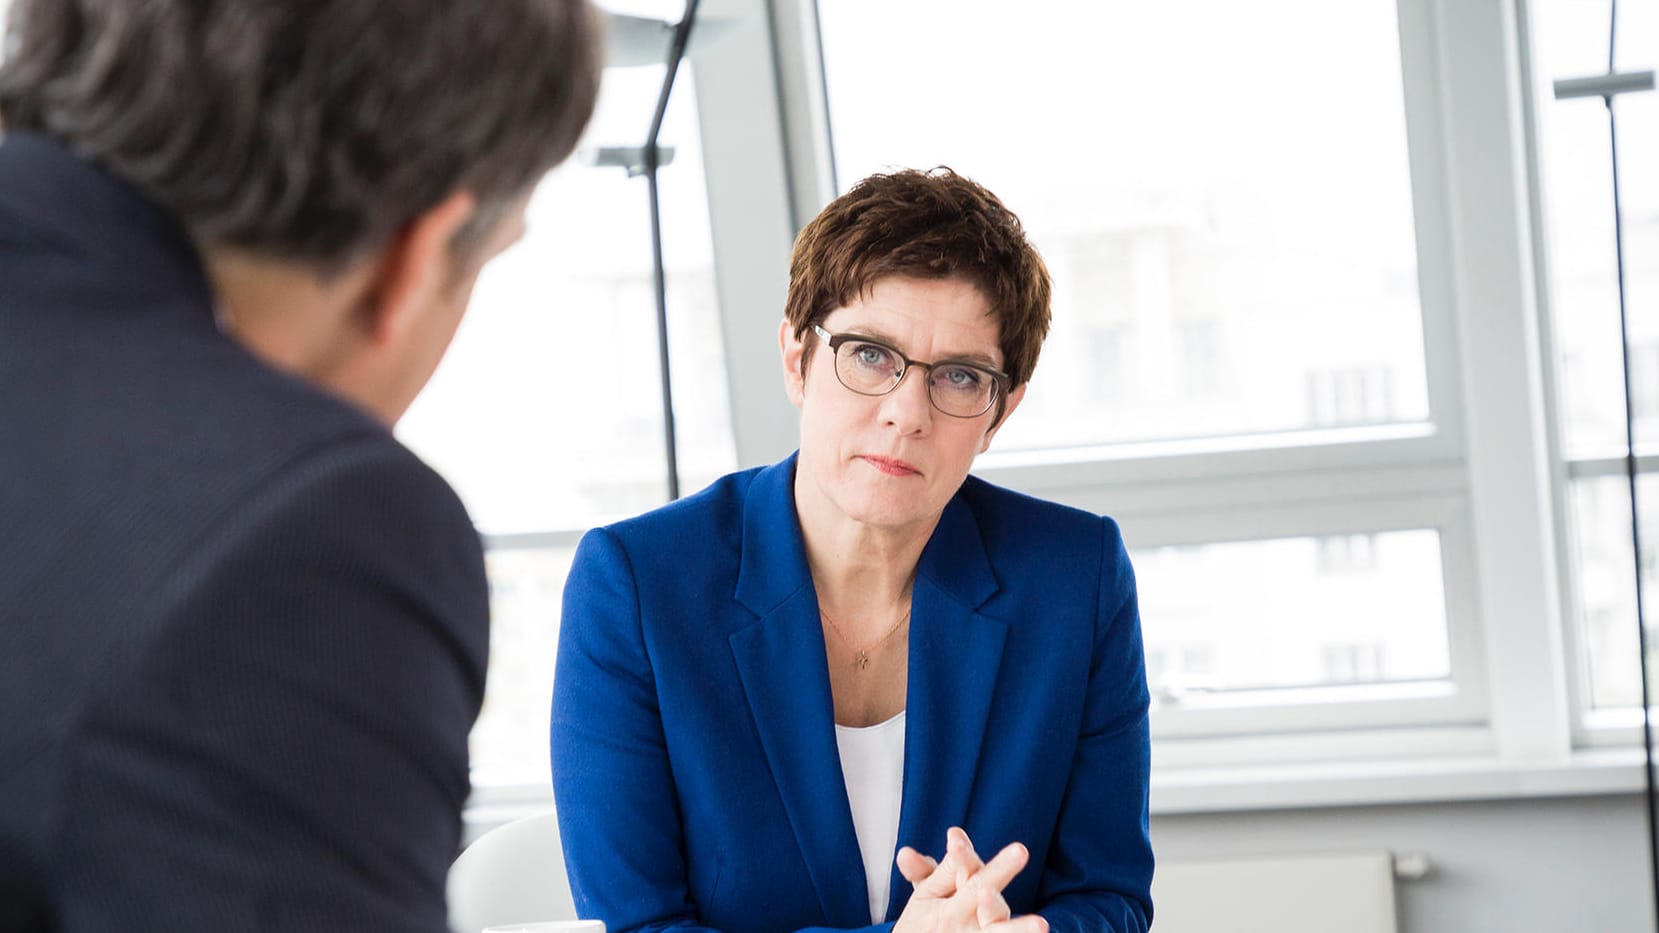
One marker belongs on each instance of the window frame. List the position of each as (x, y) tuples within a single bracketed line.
[(1589, 728), (1471, 75), (1482, 475)]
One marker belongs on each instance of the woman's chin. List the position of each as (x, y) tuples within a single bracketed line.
[(890, 511)]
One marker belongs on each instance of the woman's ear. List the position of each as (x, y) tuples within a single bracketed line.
[(792, 351)]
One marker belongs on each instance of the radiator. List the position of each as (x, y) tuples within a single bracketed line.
[(1328, 892)]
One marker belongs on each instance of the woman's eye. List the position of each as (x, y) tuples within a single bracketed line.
[(959, 377), (872, 356)]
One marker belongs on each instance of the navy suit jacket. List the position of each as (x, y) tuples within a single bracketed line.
[(694, 757), (242, 629)]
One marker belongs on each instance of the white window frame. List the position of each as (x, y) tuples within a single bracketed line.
[(1483, 477), (1590, 728)]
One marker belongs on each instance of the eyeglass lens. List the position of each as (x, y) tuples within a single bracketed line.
[(955, 388)]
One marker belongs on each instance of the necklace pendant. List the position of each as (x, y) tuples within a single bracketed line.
[(863, 660)]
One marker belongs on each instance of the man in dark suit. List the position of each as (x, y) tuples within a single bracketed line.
[(243, 631)]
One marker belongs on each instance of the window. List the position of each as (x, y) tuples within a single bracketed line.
[(1353, 662), (1297, 334), (1296, 352), (1251, 363), (1249, 227), (1576, 160), (509, 742), (1605, 585), (1350, 395), (1348, 553), (546, 414), (547, 411), (1281, 614)]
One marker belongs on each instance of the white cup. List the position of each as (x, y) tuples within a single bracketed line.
[(551, 927)]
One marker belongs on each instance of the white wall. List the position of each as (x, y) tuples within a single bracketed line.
[(1572, 864)]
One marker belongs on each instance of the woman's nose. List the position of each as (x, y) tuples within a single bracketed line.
[(908, 407)]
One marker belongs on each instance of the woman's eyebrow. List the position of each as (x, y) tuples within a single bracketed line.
[(875, 334)]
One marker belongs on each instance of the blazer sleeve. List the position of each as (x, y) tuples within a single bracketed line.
[(290, 753), (619, 818), (1098, 871)]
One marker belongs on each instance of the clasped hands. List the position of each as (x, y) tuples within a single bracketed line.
[(960, 892)]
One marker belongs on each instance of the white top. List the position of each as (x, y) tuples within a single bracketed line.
[(872, 762)]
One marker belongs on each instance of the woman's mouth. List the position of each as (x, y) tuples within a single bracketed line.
[(891, 466)]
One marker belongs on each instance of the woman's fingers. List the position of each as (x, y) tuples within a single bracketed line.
[(960, 869), (941, 881), (1028, 923), (970, 858), (1001, 869), (985, 886), (992, 907), (914, 866), (960, 892)]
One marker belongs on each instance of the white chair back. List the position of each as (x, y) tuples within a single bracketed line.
[(514, 873)]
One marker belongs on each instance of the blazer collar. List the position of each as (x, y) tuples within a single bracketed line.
[(954, 559), (117, 236), (773, 566), (955, 653)]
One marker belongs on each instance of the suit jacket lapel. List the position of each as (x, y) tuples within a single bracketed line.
[(955, 654), (785, 675)]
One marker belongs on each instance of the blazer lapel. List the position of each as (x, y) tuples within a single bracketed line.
[(785, 675), (955, 654)]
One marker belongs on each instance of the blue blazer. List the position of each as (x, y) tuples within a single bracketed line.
[(693, 744)]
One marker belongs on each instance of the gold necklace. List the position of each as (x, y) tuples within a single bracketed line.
[(861, 656)]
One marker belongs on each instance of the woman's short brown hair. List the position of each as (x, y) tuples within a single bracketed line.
[(928, 225)]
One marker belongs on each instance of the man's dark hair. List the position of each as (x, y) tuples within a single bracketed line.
[(309, 130)]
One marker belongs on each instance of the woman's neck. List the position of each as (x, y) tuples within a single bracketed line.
[(863, 574)]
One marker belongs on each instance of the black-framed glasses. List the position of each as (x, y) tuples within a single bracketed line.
[(869, 367)]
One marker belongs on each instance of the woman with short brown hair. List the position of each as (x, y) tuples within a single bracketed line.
[(772, 697)]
